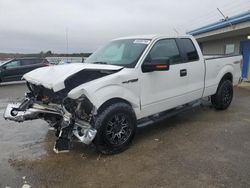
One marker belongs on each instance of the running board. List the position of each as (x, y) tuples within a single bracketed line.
[(166, 114)]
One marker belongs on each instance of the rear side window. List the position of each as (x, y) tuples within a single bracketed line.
[(189, 50), (38, 61), (31, 61), (165, 49)]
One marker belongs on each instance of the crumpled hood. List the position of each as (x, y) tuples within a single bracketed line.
[(53, 77)]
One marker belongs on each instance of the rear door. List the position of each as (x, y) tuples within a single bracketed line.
[(195, 67), (31, 64)]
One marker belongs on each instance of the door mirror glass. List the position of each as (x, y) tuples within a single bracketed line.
[(156, 65)]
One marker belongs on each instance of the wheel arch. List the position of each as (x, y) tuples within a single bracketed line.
[(226, 73), (227, 76), (112, 101)]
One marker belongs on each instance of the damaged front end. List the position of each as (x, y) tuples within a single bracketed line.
[(70, 118)]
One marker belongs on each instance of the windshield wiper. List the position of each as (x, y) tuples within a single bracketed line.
[(100, 62)]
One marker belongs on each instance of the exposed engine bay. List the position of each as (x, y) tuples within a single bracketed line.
[(71, 118)]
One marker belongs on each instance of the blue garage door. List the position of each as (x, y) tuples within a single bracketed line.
[(245, 50)]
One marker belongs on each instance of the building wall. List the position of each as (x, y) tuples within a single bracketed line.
[(218, 46)]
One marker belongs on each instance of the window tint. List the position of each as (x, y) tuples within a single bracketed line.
[(31, 61), (165, 49), (13, 64), (26, 62), (37, 61), (189, 49)]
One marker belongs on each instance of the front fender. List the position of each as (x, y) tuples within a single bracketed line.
[(118, 85), (114, 91), (99, 96)]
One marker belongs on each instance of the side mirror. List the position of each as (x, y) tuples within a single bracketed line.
[(156, 65), (3, 67)]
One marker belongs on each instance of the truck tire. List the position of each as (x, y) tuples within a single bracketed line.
[(224, 95), (116, 126)]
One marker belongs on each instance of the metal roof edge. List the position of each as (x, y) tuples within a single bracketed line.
[(222, 24)]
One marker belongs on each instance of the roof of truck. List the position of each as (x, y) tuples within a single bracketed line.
[(152, 36)]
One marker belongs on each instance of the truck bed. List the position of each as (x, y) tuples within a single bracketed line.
[(216, 66)]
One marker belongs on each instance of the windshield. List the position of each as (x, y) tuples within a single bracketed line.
[(3, 62), (124, 52)]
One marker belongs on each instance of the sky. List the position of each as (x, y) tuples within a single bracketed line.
[(31, 26)]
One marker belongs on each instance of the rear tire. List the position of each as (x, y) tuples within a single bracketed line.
[(224, 95), (116, 127)]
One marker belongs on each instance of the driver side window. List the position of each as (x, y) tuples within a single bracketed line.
[(13, 64), (165, 49)]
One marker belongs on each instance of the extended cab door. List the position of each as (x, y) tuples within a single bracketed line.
[(195, 65), (182, 83)]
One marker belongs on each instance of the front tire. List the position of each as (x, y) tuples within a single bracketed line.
[(116, 126), (224, 95)]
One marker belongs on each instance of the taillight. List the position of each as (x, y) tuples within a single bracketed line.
[(46, 63), (241, 64)]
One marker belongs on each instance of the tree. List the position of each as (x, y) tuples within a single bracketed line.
[(48, 53)]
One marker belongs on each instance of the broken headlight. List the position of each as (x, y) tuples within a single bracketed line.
[(82, 108), (69, 105)]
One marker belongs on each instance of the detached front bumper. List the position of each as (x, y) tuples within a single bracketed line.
[(9, 113), (16, 112)]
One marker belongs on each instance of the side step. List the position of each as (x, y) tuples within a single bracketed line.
[(166, 114)]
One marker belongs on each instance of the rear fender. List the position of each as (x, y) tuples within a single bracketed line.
[(212, 84), (227, 69)]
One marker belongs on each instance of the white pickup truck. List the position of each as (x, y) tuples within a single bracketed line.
[(127, 83)]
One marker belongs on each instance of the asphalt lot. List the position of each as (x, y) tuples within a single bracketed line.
[(200, 148)]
